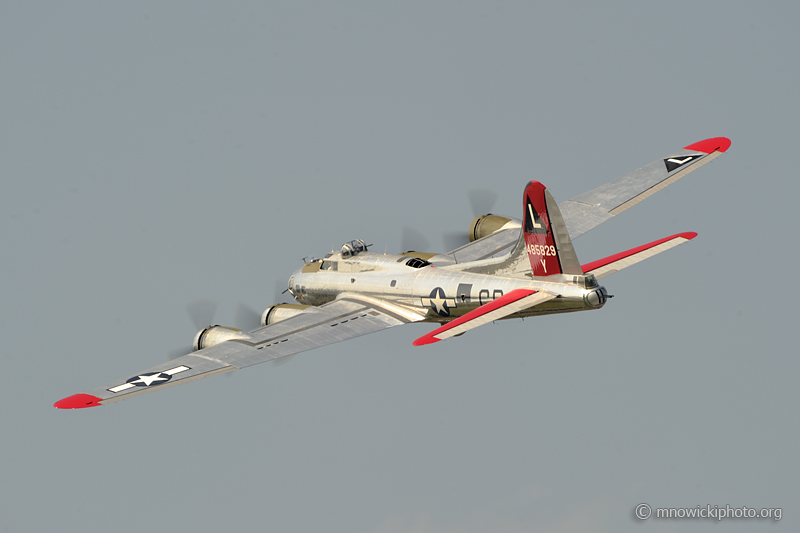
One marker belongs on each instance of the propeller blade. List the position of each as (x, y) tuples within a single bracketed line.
[(283, 360), (481, 200), (454, 239), (281, 294), (413, 240), (202, 313), (246, 318), (178, 352)]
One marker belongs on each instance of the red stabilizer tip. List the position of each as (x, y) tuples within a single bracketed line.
[(77, 401), (716, 144)]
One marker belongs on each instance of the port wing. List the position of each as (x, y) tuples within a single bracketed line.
[(350, 316)]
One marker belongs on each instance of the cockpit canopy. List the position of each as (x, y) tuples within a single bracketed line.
[(355, 247)]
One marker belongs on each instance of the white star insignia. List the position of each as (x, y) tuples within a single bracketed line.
[(438, 303), (149, 380)]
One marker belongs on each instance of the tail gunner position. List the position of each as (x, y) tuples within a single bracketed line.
[(512, 268)]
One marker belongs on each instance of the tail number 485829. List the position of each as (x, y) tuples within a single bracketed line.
[(541, 249)]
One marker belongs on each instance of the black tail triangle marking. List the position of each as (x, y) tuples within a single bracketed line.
[(533, 222), (673, 163)]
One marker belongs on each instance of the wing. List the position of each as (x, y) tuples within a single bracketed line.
[(508, 304), (493, 245), (590, 209), (614, 263), (348, 317)]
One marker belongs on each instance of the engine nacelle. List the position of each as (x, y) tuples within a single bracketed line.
[(485, 225), (276, 313), (213, 335)]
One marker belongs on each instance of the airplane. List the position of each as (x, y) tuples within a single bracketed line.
[(511, 268)]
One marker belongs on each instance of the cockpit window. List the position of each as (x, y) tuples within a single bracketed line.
[(415, 262), (332, 266)]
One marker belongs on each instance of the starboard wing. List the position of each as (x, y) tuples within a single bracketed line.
[(590, 209), (349, 316)]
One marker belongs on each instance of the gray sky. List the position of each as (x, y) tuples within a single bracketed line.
[(156, 154)]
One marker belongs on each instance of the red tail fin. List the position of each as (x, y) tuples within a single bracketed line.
[(546, 239)]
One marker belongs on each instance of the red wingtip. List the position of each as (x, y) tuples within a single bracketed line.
[(689, 235), (78, 401), (716, 144)]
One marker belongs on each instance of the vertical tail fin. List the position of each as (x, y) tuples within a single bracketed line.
[(546, 238)]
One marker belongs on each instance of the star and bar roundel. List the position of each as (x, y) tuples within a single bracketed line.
[(150, 379), (439, 302)]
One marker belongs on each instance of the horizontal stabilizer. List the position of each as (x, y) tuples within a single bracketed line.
[(508, 304), (614, 263)]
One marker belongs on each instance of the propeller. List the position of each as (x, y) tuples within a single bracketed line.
[(178, 352), (481, 200), (202, 312), (413, 240), (283, 360), (246, 318), (454, 239), (281, 293)]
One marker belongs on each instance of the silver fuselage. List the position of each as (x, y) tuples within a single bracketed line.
[(442, 290)]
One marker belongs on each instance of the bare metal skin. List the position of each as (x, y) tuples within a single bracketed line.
[(439, 291), (512, 269)]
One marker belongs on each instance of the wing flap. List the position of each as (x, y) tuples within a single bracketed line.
[(614, 263), (508, 304)]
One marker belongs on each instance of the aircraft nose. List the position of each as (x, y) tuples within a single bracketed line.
[(294, 280)]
